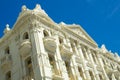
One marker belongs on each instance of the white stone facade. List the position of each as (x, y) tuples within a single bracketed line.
[(37, 48)]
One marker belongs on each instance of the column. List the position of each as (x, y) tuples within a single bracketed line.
[(101, 64), (93, 64), (74, 68), (38, 55), (86, 72), (76, 52), (69, 44), (86, 54), (60, 62)]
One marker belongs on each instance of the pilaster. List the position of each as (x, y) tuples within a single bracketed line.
[(39, 56), (86, 72), (74, 69), (101, 64), (94, 65), (60, 61)]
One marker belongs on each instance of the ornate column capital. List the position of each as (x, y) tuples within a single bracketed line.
[(35, 26), (79, 46), (88, 50)]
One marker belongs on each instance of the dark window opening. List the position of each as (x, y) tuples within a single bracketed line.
[(60, 40), (7, 50), (52, 63), (29, 68), (8, 75), (67, 64), (45, 33), (25, 35), (81, 73), (91, 75), (100, 76), (73, 47)]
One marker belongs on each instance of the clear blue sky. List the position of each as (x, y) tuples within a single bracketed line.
[(100, 18)]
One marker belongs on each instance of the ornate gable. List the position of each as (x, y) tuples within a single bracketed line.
[(81, 32)]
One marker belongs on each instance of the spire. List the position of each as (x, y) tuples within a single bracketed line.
[(7, 29)]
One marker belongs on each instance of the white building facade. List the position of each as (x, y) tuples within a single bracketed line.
[(37, 48)]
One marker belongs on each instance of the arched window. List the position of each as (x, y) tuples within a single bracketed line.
[(45, 33), (25, 35), (60, 40)]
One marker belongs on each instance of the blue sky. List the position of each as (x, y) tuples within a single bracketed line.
[(100, 18)]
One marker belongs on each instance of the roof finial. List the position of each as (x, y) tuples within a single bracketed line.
[(38, 6), (104, 48), (7, 29), (24, 8)]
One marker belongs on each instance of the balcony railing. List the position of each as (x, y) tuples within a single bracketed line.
[(50, 43), (56, 74), (65, 50), (25, 47)]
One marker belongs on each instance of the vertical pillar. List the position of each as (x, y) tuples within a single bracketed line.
[(76, 52), (69, 44), (86, 72), (87, 57), (101, 64), (60, 62), (39, 56), (93, 64), (74, 68)]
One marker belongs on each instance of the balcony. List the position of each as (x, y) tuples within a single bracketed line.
[(6, 62), (89, 64), (78, 60), (57, 76), (50, 44), (65, 51), (25, 47)]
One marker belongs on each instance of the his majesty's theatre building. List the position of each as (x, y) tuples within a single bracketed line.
[(37, 48)]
